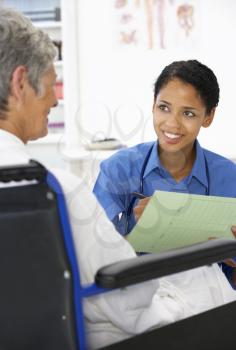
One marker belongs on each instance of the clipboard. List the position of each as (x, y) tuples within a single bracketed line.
[(173, 220)]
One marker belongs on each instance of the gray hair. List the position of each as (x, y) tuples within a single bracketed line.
[(22, 44)]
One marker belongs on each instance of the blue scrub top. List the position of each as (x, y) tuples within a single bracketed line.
[(120, 176)]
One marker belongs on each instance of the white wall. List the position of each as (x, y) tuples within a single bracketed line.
[(116, 85)]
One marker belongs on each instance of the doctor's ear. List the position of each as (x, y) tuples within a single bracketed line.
[(153, 106), (18, 81), (209, 118)]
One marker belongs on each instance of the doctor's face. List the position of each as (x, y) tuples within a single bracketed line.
[(178, 114)]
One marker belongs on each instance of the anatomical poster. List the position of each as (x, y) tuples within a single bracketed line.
[(157, 24)]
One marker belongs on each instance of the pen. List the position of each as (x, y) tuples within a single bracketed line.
[(138, 195)]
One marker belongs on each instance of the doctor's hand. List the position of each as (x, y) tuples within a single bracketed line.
[(139, 208)]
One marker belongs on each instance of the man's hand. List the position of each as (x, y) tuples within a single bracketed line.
[(142, 203)]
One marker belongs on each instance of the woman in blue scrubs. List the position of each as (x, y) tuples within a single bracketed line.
[(186, 95)]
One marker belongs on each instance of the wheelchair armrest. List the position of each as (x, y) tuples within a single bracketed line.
[(149, 266)]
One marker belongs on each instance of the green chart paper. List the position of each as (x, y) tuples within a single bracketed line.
[(173, 220)]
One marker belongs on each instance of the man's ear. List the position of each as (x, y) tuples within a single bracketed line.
[(209, 118), (18, 82)]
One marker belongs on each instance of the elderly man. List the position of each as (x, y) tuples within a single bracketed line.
[(27, 79)]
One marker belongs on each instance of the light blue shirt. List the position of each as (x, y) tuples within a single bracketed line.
[(120, 176)]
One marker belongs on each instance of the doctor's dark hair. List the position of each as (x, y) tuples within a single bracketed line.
[(22, 44), (195, 73)]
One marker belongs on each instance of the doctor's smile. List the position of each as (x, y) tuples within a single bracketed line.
[(172, 138)]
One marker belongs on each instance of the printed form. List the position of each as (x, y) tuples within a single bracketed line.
[(172, 220)]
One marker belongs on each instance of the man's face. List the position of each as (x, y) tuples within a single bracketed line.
[(37, 106)]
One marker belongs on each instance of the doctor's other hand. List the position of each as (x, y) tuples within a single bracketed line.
[(231, 262), (139, 208), (233, 229)]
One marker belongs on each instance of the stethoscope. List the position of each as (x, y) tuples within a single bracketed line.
[(129, 210)]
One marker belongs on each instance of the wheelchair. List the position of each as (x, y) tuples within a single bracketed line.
[(41, 297)]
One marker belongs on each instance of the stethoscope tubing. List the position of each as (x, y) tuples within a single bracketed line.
[(141, 185)]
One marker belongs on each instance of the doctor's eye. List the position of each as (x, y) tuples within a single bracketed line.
[(163, 108), (189, 114)]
